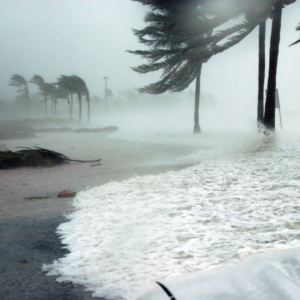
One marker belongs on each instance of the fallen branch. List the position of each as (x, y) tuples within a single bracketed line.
[(38, 157)]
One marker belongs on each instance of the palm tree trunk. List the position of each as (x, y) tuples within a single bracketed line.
[(27, 100), (69, 104), (51, 106), (88, 103), (269, 119), (72, 106), (46, 110), (79, 100), (261, 73), (197, 101), (55, 104)]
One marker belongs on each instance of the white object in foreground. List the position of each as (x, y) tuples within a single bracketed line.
[(270, 276)]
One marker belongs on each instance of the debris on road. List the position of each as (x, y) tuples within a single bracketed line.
[(37, 157)]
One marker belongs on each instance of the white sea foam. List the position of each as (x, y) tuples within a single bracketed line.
[(126, 234)]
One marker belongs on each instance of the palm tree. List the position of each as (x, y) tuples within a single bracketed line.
[(66, 83), (179, 51), (180, 39), (20, 82), (47, 90), (75, 85), (81, 89)]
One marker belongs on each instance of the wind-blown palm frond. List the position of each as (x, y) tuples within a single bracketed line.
[(37, 79), (180, 34), (75, 85), (18, 81)]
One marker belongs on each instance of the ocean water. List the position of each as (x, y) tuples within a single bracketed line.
[(242, 197)]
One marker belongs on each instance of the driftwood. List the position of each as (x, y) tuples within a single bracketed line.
[(38, 157)]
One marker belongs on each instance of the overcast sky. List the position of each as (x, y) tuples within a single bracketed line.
[(89, 38)]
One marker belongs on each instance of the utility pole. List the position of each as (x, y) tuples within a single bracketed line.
[(105, 78)]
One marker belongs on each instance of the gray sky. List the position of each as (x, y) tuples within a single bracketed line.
[(89, 38)]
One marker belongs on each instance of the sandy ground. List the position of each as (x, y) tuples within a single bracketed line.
[(27, 227)]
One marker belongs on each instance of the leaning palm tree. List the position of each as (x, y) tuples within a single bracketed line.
[(81, 89), (180, 39), (47, 90), (66, 83), (179, 51), (20, 82), (75, 85)]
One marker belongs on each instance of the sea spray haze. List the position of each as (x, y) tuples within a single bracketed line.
[(239, 197)]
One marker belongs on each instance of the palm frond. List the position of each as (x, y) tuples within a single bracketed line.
[(18, 81)]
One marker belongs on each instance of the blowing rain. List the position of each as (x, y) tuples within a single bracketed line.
[(149, 149)]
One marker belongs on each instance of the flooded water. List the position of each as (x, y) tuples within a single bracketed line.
[(241, 198)]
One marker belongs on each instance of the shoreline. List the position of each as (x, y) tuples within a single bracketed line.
[(28, 227)]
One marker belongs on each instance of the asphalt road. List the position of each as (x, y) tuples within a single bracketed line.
[(26, 244)]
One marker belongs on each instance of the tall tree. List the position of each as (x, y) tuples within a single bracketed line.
[(269, 117), (267, 7), (82, 90), (178, 51), (20, 82), (180, 39)]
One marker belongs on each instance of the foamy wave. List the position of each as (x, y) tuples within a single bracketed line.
[(126, 234)]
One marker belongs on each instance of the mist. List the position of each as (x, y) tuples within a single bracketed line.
[(89, 39)]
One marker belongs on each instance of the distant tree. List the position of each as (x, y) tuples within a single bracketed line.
[(82, 89), (20, 82), (75, 85), (46, 89), (66, 83)]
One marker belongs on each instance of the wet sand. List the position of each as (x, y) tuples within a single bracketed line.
[(27, 227)]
